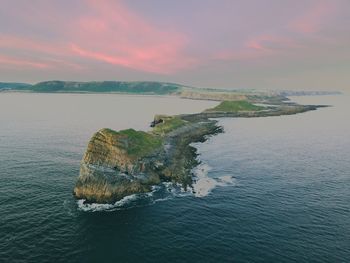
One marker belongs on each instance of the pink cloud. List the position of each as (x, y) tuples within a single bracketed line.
[(114, 35), (254, 44), (99, 56), (269, 43), (88, 35), (106, 31), (238, 55), (313, 19), (53, 55), (258, 47), (30, 45), (11, 62)]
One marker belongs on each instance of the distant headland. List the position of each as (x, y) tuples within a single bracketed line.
[(120, 163), (146, 88)]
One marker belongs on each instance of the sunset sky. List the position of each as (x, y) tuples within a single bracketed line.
[(269, 44)]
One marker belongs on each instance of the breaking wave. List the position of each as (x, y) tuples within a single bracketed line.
[(94, 207), (202, 186), (159, 193)]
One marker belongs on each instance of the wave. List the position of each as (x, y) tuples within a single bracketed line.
[(159, 193), (202, 186), (124, 203)]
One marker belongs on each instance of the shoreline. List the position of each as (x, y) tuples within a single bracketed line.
[(117, 164)]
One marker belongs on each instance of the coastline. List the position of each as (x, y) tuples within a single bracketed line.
[(112, 169)]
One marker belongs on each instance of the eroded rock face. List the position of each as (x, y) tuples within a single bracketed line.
[(108, 171), (117, 164), (106, 149)]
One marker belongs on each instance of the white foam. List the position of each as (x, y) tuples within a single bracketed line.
[(204, 184), (172, 190), (94, 207), (226, 180)]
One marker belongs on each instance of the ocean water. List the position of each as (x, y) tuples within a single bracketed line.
[(273, 189)]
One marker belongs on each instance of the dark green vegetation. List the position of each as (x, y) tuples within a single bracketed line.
[(120, 163), (158, 88), (140, 88), (167, 124), (137, 144), (14, 86), (117, 164), (236, 106)]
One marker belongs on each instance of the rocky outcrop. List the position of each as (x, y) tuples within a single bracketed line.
[(268, 112), (113, 166), (117, 164)]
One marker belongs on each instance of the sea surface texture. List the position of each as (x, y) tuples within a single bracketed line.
[(273, 189)]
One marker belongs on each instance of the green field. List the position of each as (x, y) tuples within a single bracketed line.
[(136, 143), (169, 124), (236, 106)]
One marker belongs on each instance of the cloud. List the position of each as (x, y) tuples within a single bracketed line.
[(12, 42), (108, 32), (184, 42), (315, 17), (113, 34), (35, 53), (11, 62), (272, 43), (259, 47)]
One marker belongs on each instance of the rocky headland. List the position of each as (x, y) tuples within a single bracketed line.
[(120, 163)]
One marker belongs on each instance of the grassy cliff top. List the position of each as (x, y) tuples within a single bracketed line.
[(137, 144), (167, 124), (236, 106)]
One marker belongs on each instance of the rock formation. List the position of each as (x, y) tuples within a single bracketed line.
[(117, 164)]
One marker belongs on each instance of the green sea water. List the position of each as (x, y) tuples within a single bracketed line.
[(270, 189)]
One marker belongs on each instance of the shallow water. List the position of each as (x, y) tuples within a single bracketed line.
[(268, 190)]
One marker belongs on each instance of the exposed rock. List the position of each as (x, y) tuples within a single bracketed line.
[(114, 163), (117, 164), (109, 172)]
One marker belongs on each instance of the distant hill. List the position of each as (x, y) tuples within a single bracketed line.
[(155, 88), (144, 87), (14, 86)]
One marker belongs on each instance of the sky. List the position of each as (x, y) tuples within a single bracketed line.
[(234, 44)]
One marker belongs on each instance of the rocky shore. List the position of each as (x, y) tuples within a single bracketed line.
[(117, 164)]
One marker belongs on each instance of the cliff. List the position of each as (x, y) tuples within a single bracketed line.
[(112, 160), (117, 164)]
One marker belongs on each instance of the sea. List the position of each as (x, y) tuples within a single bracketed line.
[(274, 189)]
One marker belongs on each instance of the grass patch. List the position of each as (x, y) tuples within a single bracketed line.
[(169, 124), (236, 106), (136, 143)]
